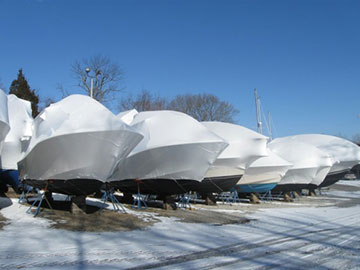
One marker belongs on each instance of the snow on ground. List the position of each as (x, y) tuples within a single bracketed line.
[(299, 237), (353, 183)]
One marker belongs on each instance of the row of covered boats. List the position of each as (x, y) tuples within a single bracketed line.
[(77, 146)]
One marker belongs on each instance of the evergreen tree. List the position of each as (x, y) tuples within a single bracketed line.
[(21, 89)]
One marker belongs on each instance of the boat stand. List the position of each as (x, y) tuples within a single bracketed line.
[(267, 196), (40, 198), (22, 198), (234, 196), (230, 197), (139, 200), (109, 196), (184, 201)]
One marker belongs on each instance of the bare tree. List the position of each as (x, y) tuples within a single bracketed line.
[(2, 87), (104, 74), (356, 138), (145, 101), (45, 103), (62, 90), (204, 107)]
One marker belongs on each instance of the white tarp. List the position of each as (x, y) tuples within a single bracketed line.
[(127, 116), (310, 164), (175, 146), (345, 152), (76, 138), (4, 118), (245, 146), (266, 170), (16, 142)]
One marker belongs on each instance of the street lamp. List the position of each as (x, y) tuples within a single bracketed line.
[(98, 72)]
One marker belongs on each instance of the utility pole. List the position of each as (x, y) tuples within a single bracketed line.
[(258, 111), (98, 72)]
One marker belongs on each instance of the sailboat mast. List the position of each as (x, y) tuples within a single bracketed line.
[(270, 126), (258, 111)]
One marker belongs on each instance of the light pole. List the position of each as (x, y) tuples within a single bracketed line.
[(98, 72)]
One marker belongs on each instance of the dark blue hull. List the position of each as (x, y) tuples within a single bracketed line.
[(9, 177)]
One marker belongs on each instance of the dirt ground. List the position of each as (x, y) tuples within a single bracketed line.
[(108, 220), (3, 221), (4, 202), (96, 220), (99, 221)]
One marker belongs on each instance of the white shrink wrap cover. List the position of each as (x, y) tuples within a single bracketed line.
[(76, 138), (345, 153), (245, 146), (4, 118), (266, 170), (127, 116), (310, 164), (175, 146), (17, 140)]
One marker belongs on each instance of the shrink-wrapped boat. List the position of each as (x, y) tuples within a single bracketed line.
[(173, 157), (263, 174), (4, 130), (4, 118), (17, 140), (310, 164), (245, 146), (75, 146), (345, 154)]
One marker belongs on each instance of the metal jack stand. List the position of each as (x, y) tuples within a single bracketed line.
[(40, 198), (266, 196), (233, 198), (184, 201), (229, 197), (138, 200), (109, 195), (22, 198)]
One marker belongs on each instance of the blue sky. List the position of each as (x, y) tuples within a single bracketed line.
[(302, 56)]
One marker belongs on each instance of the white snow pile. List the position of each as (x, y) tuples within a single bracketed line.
[(276, 238)]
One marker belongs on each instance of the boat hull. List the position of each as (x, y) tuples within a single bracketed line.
[(290, 187), (255, 188), (217, 184), (9, 177), (333, 177), (178, 186), (75, 187), (162, 187)]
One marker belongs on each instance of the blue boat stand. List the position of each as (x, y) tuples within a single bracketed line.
[(230, 197), (109, 195), (40, 198), (139, 200), (184, 201)]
